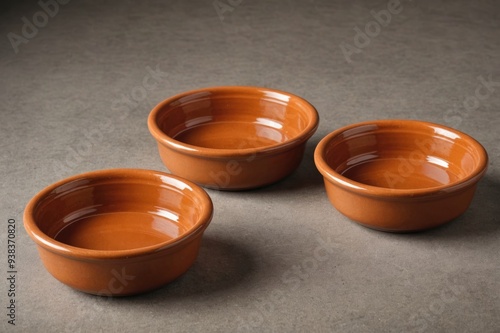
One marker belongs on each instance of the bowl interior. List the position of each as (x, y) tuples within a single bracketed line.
[(403, 155), (118, 212), (234, 118)]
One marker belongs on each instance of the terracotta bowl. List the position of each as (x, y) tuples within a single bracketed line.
[(400, 175), (118, 232), (233, 138)]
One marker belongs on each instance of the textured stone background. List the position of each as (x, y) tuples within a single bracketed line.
[(77, 76)]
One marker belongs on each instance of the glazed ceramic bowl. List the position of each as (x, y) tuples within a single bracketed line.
[(118, 232), (400, 175), (232, 138)]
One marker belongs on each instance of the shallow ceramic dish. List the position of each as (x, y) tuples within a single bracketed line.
[(400, 175), (118, 232), (233, 138)]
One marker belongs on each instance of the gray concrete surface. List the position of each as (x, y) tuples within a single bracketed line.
[(84, 66)]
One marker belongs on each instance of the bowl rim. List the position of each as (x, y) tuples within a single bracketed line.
[(180, 146), (49, 243), (370, 190)]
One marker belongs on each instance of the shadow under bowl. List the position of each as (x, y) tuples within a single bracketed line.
[(120, 231), (400, 175), (233, 138)]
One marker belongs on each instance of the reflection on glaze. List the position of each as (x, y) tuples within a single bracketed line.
[(273, 96), (366, 129), (71, 185), (269, 123), (362, 158), (202, 95), (198, 121), (438, 161), (445, 133), (80, 213), (176, 184), (269, 133), (440, 175), (166, 214)]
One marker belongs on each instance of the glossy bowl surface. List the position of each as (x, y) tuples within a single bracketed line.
[(233, 138), (400, 175), (120, 231)]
